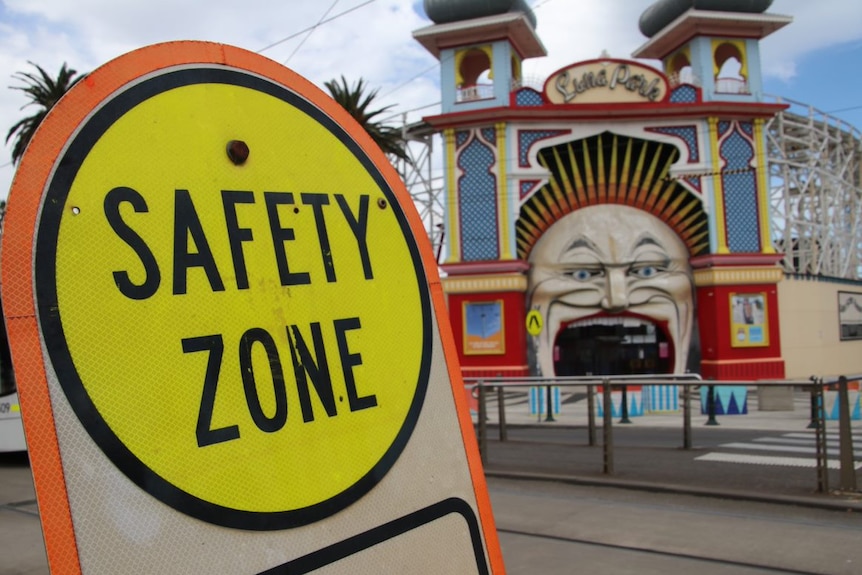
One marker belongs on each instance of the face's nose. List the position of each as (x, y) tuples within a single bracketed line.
[(616, 299)]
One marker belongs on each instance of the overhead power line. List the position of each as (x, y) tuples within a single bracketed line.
[(310, 32), (322, 22)]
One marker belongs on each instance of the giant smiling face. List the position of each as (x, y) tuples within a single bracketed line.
[(611, 261)]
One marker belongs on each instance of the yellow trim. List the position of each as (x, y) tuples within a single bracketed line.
[(485, 284), (737, 276), (740, 45), (718, 190), (452, 229), (741, 361), (762, 187), (503, 187), (515, 67)]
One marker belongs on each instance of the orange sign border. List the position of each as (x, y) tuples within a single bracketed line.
[(31, 179)]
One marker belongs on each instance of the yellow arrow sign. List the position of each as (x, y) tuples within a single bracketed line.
[(535, 323)]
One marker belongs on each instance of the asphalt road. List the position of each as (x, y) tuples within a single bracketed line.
[(557, 528), (663, 510)]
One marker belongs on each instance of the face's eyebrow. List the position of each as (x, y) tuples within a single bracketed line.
[(648, 240), (583, 243)]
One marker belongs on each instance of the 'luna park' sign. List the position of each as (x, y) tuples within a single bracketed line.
[(606, 81)]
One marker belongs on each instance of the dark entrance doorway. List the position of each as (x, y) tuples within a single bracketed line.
[(611, 346)]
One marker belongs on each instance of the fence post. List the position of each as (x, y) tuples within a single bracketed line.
[(483, 425), (710, 405), (550, 404), (501, 413), (813, 423), (686, 416), (591, 415), (607, 429), (624, 406), (820, 439), (845, 437)]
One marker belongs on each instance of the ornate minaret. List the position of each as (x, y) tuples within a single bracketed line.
[(480, 45), (713, 45)]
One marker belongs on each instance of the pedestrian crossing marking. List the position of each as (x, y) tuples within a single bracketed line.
[(782, 448), (829, 436), (768, 460)]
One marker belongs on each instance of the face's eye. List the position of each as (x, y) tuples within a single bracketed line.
[(646, 271), (585, 274)]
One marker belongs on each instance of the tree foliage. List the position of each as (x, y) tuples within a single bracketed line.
[(43, 91), (357, 101)]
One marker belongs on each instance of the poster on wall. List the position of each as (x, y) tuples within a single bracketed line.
[(748, 320), (850, 315), (483, 328)]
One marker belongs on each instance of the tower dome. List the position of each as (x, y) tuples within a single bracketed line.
[(445, 11), (663, 12)]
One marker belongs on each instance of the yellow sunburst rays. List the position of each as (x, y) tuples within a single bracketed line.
[(583, 176), (660, 190), (590, 188), (601, 178), (694, 231), (671, 203), (635, 186), (532, 229), (613, 176), (553, 196), (539, 219), (580, 189), (568, 190), (652, 184), (623, 185)]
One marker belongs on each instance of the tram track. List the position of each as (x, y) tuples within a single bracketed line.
[(620, 530), (655, 552), (19, 507)]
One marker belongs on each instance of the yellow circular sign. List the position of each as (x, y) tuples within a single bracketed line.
[(232, 298), (534, 322)]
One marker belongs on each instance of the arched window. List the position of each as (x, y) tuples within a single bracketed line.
[(730, 62), (474, 75), (679, 70)]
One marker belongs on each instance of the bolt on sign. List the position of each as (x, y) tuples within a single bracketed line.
[(229, 334)]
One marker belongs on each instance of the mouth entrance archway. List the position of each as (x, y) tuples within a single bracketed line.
[(612, 346)]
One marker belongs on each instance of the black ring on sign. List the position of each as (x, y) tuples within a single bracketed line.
[(51, 325)]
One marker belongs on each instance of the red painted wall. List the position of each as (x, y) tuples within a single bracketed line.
[(514, 361), (719, 359)]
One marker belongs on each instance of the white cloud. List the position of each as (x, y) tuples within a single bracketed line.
[(373, 42), (816, 25)]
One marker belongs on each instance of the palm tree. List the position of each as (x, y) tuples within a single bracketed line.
[(43, 92), (356, 102)]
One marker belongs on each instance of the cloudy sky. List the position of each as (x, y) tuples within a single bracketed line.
[(815, 60)]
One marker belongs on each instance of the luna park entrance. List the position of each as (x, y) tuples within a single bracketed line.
[(610, 346)]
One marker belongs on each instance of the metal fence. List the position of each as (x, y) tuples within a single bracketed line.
[(482, 388)]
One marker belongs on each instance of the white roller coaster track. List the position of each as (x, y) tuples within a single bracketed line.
[(815, 176), (815, 191)]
